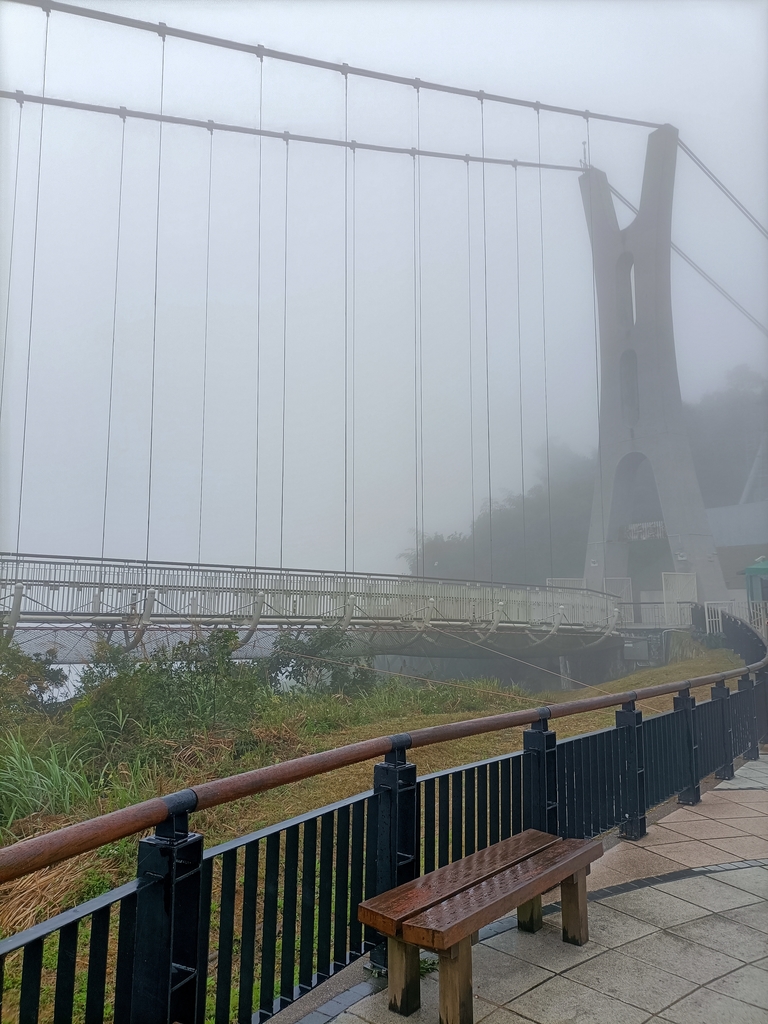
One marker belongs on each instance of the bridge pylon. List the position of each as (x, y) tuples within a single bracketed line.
[(648, 516)]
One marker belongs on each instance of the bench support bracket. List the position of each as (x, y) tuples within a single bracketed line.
[(529, 915)]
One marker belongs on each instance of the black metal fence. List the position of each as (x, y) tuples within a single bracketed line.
[(238, 932)]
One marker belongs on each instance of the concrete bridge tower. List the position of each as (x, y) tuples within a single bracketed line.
[(647, 514)]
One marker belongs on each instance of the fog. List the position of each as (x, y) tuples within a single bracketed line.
[(700, 66)]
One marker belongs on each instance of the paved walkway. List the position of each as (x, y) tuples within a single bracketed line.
[(676, 934)]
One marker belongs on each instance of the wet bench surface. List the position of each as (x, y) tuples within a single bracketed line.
[(442, 911)]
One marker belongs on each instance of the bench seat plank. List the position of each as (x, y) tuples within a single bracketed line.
[(447, 923), (387, 911)]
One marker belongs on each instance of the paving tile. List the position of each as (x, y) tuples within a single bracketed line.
[(609, 927), (726, 936), (707, 1007), (681, 814), (501, 1015), (662, 834), (754, 880), (708, 892), (601, 877), (680, 956), (654, 907), (498, 979), (725, 809), (747, 984), (343, 1018), (545, 948), (754, 916), (629, 861), (704, 828), (753, 826), (763, 964), (743, 848), (692, 853), (560, 1000), (631, 980)]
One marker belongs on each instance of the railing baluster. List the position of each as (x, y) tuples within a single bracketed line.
[(517, 794), (470, 811), (430, 832), (308, 881), (66, 962), (290, 887), (226, 936), (356, 877), (444, 820), (269, 930), (594, 784), (97, 967), (579, 787), (32, 966), (506, 797), (248, 933), (482, 806), (126, 939), (341, 889), (204, 937), (457, 821), (568, 825), (326, 897), (493, 793)]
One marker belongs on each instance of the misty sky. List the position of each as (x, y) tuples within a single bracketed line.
[(700, 66)]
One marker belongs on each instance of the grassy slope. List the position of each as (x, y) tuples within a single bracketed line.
[(66, 884)]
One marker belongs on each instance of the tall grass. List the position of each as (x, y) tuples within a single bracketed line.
[(49, 781)]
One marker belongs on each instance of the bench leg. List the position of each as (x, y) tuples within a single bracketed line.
[(456, 983), (403, 977), (529, 915), (573, 902)]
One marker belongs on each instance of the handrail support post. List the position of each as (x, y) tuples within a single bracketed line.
[(752, 753), (540, 777), (721, 693), (394, 782), (685, 703), (166, 987), (630, 719)]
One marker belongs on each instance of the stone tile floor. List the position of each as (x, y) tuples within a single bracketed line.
[(676, 934)]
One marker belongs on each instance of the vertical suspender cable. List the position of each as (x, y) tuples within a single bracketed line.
[(354, 339), (346, 322), (544, 346), (416, 365), (32, 291), (258, 327), (154, 308), (520, 378), (420, 347), (205, 349), (470, 375), (487, 351), (285, 349), (597, 355), (10, 263), (114, 336)]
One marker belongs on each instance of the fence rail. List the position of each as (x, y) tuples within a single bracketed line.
[(239, 931)]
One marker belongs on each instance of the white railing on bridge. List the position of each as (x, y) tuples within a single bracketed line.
[(91, 589)]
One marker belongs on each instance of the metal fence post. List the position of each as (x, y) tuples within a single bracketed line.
[(753, 751), (394, 782), (761, 704), (165, 988), (685, 703), (630, 719), (540, 776), (721, 692)]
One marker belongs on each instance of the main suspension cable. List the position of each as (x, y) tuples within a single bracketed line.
[(723, 188), (597, 355), (205, 351), (285, 361), (258, 328), (470, 375), (520, 377), (421, 337), (10, 262), (32, 290), (114, 337), (544, 348), (154, 308), (487, 351)]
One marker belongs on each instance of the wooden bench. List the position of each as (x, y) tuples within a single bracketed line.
[(444, 910)]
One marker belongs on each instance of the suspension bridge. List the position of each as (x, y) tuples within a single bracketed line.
[(229, 344)]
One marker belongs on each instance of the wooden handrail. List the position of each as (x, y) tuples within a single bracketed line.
[(29, 855)]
